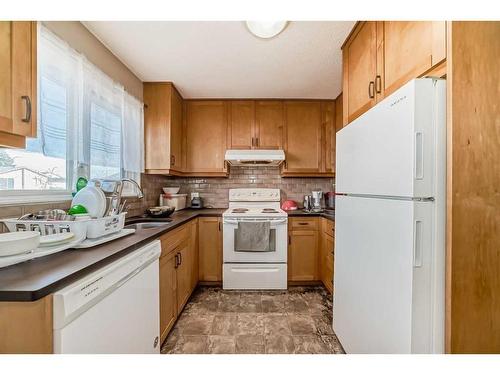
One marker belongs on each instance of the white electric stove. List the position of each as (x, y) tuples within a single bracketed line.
[(255, 269)]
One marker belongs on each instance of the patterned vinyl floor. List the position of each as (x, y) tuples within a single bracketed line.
[(217, 321)]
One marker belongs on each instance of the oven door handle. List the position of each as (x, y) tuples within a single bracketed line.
[(236, 221)]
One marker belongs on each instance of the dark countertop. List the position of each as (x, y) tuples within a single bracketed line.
[(301, 213), (35, 279)]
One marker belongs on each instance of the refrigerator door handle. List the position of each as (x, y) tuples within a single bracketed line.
[(419, 156), (417, 244)]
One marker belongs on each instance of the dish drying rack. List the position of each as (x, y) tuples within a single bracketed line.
[(82, 229)]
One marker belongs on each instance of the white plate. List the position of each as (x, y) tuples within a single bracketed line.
[(13, 243), (93, 199), (56, 239), (39, 252)]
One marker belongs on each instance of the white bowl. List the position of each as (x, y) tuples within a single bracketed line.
[(13, 243), (171, 190)]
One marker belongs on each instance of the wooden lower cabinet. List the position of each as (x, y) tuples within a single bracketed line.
[(327, 257), (178, 265), (184, 272), (303, 246), (210, 249), (168, 299), (26, 327), (327, 252)]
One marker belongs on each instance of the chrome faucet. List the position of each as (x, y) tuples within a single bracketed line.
[(140, 195), (114, 190)]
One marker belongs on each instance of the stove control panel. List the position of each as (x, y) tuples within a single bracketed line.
[(254, 195)]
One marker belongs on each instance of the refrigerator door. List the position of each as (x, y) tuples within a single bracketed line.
[(383, 279), (391, 149)]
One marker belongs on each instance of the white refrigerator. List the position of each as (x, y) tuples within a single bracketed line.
[(389, 277)]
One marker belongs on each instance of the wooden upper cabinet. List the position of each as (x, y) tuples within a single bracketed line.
[(410, 48), (303, 136), (381, 56), (339, 112), (18, 82), (255, 124), (360, 69), (163, 128), (328, 135), (241, 129), (269, 124), (205, 129)]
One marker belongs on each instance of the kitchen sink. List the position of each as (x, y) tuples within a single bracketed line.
[(147, 225)]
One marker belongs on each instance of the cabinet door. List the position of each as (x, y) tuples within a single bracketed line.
[(269, 124), (168, 298), (410, 49), (206, 127), (360, 69), (17, 82), (241, 134), (176, 131), (328, 143), (210, 249), (303, 256), (194, 255), (327, 261), (303, 128), (162, 127), (339, 112), (184, 275)]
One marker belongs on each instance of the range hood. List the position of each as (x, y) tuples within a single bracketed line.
[(255, 157)]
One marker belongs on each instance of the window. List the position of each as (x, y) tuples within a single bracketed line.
[(85, 122)]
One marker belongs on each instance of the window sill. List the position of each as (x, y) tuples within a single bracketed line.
[(23, 198)]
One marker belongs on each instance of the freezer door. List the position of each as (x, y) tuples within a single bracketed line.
[(391, 149), (383, 300)]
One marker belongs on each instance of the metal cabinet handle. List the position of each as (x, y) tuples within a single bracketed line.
[(371, 90), (27, 99), (378, 86), (257, 142), (303, 223), (176, 260), (219, 226), (180, 258), (289, 240), (172, 160)]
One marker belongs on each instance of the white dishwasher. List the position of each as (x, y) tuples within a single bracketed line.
[(113, 310)]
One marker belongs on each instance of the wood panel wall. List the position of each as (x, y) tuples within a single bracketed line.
[(473, 242)]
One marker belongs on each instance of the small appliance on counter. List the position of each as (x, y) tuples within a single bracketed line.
[(196, 201), (317, 195), (330, 200), (289, 205), (177, 201)]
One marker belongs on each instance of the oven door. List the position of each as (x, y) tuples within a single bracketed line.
[(277, 252)]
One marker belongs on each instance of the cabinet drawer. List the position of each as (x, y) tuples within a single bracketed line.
[(309, 223), (174, 239), (327, 226)]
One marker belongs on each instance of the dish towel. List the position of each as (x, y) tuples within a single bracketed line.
[(252, 237)]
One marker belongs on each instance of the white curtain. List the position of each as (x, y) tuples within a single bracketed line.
[(85, 116)]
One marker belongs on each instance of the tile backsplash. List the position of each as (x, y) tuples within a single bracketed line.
[(214, 190)]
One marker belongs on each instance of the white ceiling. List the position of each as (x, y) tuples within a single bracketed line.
[(221, 59)]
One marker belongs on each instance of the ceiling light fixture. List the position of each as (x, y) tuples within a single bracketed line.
[(266, 29)]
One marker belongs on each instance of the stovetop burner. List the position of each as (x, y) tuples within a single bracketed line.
[(269, 211), (239, 210)]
